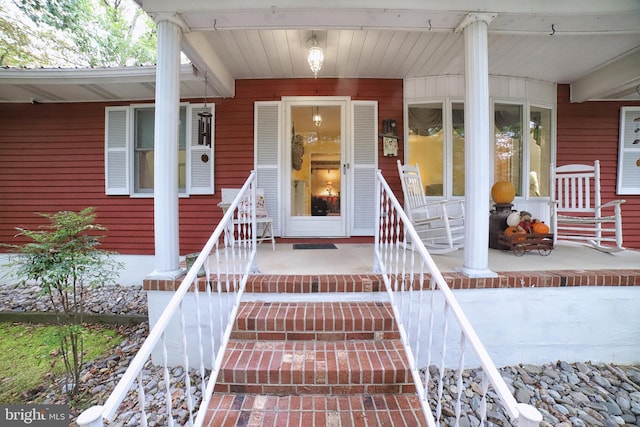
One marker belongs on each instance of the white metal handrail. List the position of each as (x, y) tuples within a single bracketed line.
[(227, 267), (410, 275)]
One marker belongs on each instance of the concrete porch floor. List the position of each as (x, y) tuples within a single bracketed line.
[(354, 258)]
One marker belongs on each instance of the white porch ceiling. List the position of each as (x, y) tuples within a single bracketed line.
[(590, 44)]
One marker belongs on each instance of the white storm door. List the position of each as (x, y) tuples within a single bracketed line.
[(316, 167)]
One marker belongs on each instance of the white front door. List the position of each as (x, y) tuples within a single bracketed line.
[(301, 165), (316, 166)]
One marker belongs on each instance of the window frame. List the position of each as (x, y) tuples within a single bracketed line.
[(552, 147), (526, 143), (628, 150), (446, 142), (447, 103), (120, 140), (133, 173)]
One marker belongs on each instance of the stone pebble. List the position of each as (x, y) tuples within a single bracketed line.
[(108, 299), (566, 394)]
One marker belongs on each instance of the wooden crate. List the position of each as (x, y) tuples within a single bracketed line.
[(520, 244)]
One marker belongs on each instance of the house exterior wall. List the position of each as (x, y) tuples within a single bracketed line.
[(590, 131), (52, 158)]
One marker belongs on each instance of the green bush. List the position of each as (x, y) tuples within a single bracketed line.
[(64, 259)]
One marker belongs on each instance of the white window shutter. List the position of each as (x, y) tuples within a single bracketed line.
[(267, 143), (117, 148), (629, 151), (364, 117), (199, 157)]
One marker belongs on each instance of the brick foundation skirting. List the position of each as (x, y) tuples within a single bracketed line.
[(269, 283)]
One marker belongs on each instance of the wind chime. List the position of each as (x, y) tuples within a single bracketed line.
[(204, 121)]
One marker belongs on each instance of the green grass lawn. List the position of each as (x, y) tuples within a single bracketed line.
[(29, 356)]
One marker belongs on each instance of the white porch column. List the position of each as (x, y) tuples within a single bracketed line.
[(477, 140), (165, 180)]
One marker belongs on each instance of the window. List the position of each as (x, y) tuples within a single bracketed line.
[(129, 158), (144, 124), (523, 157), (539, 151), (507, 150), (430, 128), (427, 145), (457, 131), (436, 143)]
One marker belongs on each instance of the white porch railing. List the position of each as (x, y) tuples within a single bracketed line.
[(214, 308), (440, 343), (434, 330)]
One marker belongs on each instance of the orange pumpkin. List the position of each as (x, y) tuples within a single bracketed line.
[(503, 192), (540, 227), (514, 231)]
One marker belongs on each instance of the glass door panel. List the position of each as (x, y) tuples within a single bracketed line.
[(316, 197)]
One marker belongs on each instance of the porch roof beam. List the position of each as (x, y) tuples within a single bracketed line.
[(207, 62), (201, 54), (569, 16), (618, 79), (506, 6), (79, 76)]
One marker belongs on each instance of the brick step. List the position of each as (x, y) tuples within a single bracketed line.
[(314, 410), (282, 283), (318, 321), (319, 361), (312, 283), (315, 367)]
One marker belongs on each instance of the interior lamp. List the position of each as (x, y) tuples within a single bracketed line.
[(315, 56), (317, 118)]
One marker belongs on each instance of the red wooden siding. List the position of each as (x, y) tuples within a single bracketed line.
[(590, 131), (52, 158)]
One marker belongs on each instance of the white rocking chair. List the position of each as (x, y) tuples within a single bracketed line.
[(439, 223), (577, 211)]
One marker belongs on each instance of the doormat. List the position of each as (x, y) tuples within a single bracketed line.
[(314, 246)]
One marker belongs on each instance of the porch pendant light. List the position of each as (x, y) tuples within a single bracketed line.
[(204, 121), (315, 56)]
